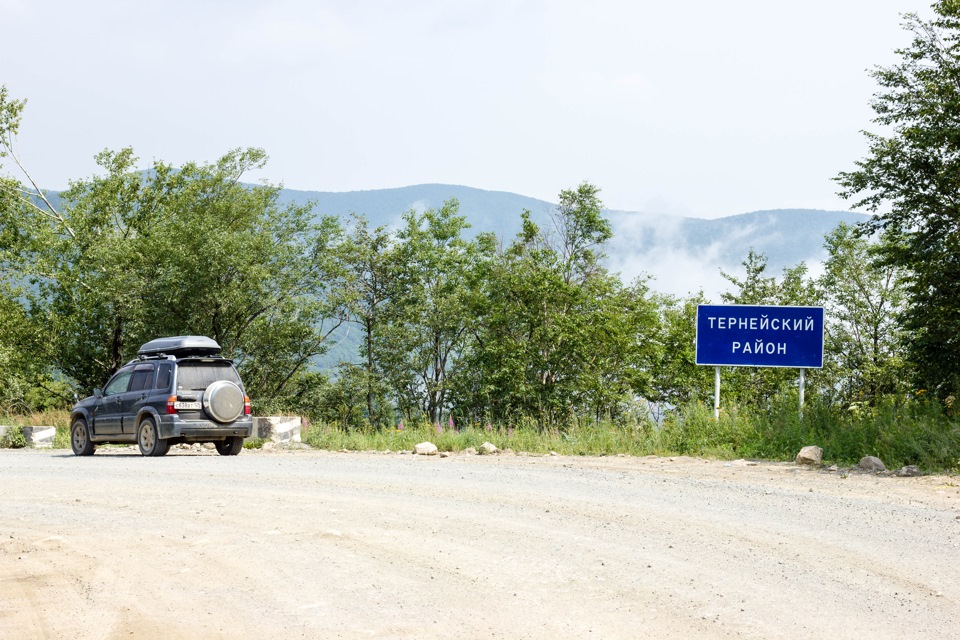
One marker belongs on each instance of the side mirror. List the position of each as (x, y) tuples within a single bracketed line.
[(98, 392)]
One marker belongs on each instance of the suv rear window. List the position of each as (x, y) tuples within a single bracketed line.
[(196, 376)]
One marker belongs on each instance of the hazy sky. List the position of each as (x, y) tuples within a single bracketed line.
[(701, 107)]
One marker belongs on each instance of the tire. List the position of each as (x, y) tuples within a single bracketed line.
[(80, 438), (149, 441), (231, 446), (223, 401)]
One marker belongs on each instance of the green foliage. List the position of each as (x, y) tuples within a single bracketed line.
[(134, 255), (194, 252), (536, 336), (910, 178), (753, 386), (340, 400), (426, 321), (863, 341), (595, 440), (61, 439), (908, 432), (556, 337), (369, 284), (693, 430), (678, 380), (13, 438), (898, 432)]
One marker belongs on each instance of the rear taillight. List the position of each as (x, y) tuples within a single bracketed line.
[(171, 404), (246, 406)]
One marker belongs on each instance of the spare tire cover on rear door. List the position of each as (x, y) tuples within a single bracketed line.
[(223, 401)]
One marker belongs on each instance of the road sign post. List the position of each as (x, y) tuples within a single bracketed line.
[(759, 336)]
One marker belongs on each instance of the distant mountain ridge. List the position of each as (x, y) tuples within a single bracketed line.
[(495, 211), (683, 254)]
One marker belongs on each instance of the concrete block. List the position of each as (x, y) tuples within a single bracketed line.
[(277, 429), (40, 437)]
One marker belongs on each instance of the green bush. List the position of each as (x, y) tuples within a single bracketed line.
[(61, 440), (13, 438), (898, 431)]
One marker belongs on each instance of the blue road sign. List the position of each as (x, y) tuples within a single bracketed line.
[(759, 336)]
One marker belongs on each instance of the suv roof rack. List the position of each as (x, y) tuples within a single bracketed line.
[(180, 346)]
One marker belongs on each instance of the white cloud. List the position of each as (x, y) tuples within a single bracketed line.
[(291, 32), (12, 9), (720, 107)]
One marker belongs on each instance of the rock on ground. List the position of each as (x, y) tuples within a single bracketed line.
[(810, 455), (872, 463), (488, 447), (425, 449)]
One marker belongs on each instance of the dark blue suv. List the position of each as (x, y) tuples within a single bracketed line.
[(178, 389)]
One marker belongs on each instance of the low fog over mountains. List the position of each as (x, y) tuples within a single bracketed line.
[(682, 254)]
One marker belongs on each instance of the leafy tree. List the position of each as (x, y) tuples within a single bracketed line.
[(23, 348), (188, 251), (863, 341), (428, 319), (758, 288), (130, 255), (621, 346), (911, 179), (758, 385), (369, 286), (556, 337), (678, 379)]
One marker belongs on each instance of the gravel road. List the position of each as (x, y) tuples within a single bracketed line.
[(311, 544)]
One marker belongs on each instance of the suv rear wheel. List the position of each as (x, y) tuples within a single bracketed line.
[(230, 446), (149, 439)]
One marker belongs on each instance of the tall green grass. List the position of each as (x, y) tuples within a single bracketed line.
[(898, 431), (606, 440), (58, 418)]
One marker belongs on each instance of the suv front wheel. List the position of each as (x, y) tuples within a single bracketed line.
[(149, 439), (80, 438)]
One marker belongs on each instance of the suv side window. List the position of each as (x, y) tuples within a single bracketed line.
[(142, 377), (164, 376), (119, 382)]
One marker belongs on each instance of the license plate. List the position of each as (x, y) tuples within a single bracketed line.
[(186, 406)]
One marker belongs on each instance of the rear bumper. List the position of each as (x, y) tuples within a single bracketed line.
[(172, 426)]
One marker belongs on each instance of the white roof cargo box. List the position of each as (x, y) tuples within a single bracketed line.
[(181, 346)]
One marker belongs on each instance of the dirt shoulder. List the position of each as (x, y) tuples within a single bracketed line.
[(291, 544)]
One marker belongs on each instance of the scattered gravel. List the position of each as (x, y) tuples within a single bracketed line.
[(300, 543)]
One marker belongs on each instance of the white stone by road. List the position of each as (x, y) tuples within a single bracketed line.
[(306, 544)]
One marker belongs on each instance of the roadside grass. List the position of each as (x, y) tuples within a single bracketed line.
[(49, 418), (601, 440), (58, 418), (898, 431)]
